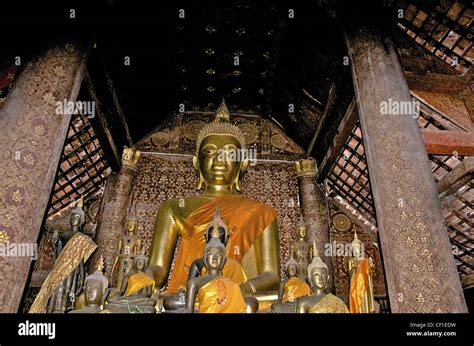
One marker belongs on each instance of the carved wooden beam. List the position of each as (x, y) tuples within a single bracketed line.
[(439, 83), (345, 128), (448, 142), (104, 127), (459, 176)]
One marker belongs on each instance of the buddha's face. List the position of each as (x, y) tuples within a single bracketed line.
[(132, 225), (319, 278), (291, 270), (302, 231), (357, 250), (215, 258), (218, 162), (93, 292), (75, 220), (140, 264)]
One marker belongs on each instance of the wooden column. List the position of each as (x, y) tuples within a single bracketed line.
[(116, 200), (32, 136), (314, 209), (419, 265)]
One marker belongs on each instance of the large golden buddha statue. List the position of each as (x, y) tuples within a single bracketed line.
[(220, 163)]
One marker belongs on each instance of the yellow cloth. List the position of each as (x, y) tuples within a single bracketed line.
[(138, 281), (330, 304), (232, 270), (221, 295), (295, 288), (79, 248), (360, 288), (245, 218)]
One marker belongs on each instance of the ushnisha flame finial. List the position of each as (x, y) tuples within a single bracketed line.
[(216, 223), (221, 126)]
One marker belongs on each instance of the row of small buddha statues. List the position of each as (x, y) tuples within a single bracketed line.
[(215, 282), (198, 262)]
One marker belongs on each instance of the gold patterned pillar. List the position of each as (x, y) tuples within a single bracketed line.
[(314, 209), (32, 135), (116, 199), (419, 265)]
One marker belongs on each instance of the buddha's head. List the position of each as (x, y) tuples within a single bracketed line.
[(78, 216), (302, 230), (95, 286), (357, 247), (214, 255), (132, 225), (140, 262), (318, 274), (220, 158), (217, 229), (291, 268)]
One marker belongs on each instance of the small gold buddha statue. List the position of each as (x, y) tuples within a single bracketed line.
[(220, 163), (294, 287), (216, 293), (361, 292), (129, 246), (300, 250), (135, 292), (319, 301), (95, 289)]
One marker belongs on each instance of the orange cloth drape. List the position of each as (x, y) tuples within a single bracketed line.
[(138, 281), (221, 295), (232, 270), (359, 286), (295, 288), (245, 218)]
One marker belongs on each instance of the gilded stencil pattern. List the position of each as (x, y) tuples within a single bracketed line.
[(32, 136), (419, 266)]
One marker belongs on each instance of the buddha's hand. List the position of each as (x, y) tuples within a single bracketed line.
[(247, 287), (158, 274)]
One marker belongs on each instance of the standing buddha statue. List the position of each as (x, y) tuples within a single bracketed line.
[(65, 280), (129, 246), (361, 293), (255, 226), (300, 250)]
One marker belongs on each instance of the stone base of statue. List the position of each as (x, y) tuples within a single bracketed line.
[(136, 306), (284, 308)]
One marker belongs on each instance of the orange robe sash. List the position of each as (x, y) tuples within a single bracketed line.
[(221, 295), (295, 288), (359, 287), (245, 218), (232, 270)]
